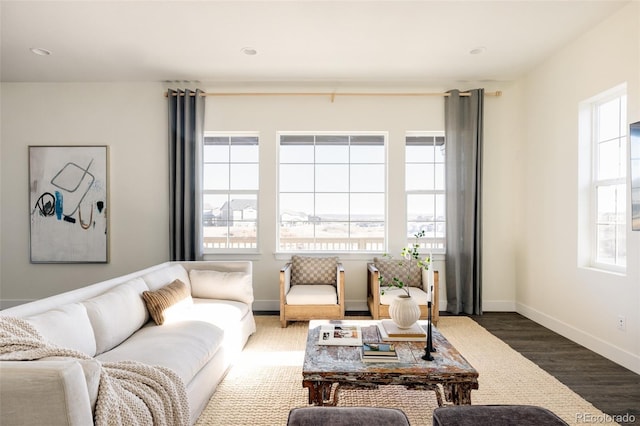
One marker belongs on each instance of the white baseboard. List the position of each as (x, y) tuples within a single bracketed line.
[(266, 305), (350, 305), (490, 305), (274, 305), (498, 306), (589, 341)]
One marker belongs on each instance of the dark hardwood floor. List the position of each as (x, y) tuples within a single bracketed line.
[(610, 387)]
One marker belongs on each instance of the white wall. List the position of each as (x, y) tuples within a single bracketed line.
[(131, 119), (553, 289)]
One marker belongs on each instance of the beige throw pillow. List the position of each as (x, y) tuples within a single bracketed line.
[(160, 300), (313, 270), (210, 284)]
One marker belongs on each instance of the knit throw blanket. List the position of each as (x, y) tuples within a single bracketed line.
[(129, 393)]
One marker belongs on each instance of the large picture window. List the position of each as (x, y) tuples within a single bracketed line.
[(230, 192), (332, 192), (424, 182)]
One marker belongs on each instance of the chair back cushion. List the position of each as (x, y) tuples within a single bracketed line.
[(408, 273), (313, 270)]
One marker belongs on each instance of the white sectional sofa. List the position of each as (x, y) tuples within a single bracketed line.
[(109, 321)]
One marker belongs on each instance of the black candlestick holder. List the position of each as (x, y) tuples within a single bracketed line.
[(429, 348)]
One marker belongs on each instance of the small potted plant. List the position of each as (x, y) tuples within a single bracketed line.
[(404, 310)]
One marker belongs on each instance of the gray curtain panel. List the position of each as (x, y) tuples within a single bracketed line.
[(463, 132), (186, 132)]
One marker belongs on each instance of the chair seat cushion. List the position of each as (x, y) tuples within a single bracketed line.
[(312, 294), (419, 295)]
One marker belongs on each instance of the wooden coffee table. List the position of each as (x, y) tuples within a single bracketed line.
[(325, 366)]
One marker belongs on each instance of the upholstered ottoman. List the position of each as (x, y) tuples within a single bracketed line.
[(495, 415), (351, 416)]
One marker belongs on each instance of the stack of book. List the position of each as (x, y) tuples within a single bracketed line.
[(379, 352), (390, 332)]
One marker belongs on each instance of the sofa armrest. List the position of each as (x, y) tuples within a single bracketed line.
[(44, 392), (245, 266)]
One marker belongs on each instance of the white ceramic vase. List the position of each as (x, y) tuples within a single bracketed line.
[(404, 311)]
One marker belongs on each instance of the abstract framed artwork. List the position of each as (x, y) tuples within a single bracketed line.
[(68, 204)]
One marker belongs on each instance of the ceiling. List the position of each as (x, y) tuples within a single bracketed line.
[(318, 42)]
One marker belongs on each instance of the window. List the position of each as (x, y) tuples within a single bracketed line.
[(607, 124), (424, 182), (332, 192), (230, 192)]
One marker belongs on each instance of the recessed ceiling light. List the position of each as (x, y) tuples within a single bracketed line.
[(249, 51), (478, 50), (40, 51)]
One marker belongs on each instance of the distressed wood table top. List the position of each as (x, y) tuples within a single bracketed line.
[(325, 365)]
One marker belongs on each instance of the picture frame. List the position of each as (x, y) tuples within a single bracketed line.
[(68, 204)]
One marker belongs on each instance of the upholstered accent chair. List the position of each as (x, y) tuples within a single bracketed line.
[(347, 416), (379, 304), (495, 415), (311, 288)]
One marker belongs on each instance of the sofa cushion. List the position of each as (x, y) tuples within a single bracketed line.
[(313, 270), (400, 269), (67, 326), (221, 313), (315, 294), (116, 314), (184, 347), (166, 275), (171, 296), (210, 284)]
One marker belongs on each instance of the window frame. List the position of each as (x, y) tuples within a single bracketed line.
[(591, 125), (229, 192), (437, 137), (379, 247)]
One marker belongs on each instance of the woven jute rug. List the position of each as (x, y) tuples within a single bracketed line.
[(266, 380)]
